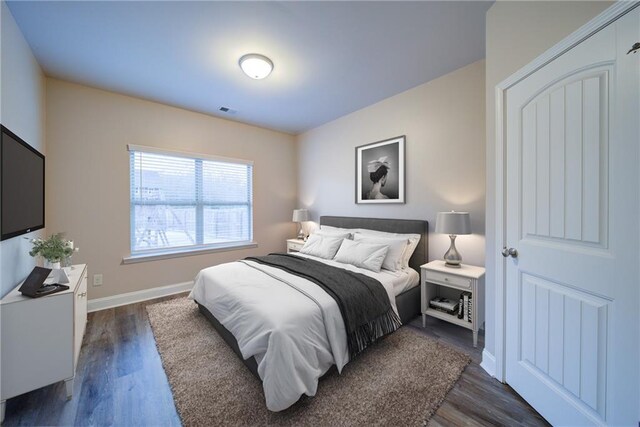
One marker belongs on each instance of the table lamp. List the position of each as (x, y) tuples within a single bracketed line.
[(299, 216), (453, 224)]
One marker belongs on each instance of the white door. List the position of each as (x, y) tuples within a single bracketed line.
[(572, 213)]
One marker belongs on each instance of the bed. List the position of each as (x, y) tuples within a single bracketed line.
[(260, 341)]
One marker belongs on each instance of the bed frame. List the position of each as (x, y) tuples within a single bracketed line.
[(408, 302)]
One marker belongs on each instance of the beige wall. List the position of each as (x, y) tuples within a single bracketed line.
[(22, 111), (518, 32), (443, 121), (88, 179)]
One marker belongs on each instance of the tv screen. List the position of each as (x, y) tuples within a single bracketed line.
[(21, 186)]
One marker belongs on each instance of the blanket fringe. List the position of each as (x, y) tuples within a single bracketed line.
[(371, 331)]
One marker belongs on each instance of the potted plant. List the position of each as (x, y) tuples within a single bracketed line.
[(53, 249)]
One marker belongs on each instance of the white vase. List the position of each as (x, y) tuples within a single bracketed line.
[(51, 265)]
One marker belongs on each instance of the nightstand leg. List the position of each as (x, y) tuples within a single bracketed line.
[(69, 388), (424, 320), (475, 338)]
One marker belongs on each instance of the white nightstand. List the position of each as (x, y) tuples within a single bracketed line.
[(438, 280), (294, 245)]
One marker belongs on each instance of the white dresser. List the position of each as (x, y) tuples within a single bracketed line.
[(41, 337)]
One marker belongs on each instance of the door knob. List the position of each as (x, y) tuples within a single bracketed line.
[(509, 252)]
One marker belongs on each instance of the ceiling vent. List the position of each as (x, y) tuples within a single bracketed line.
[(228, 110)]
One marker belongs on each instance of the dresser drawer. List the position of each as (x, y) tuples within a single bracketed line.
[(447, 279)]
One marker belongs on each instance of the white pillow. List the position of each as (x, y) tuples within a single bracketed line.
[(395, 255), (321, 246), (337, 229), (414, 239), (333, 233), (362, 255), (410, 249)]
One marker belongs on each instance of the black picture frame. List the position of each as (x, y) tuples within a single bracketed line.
[(380, 172)]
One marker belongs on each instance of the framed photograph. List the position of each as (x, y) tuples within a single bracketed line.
[(380, 172)]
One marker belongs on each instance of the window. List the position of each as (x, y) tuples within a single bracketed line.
[(182, 202)]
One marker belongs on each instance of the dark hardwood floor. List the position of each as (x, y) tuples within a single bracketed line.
[(477, 399), (120, 381)]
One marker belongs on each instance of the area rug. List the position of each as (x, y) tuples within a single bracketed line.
[(400, 380)]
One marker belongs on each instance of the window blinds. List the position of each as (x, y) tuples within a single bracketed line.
[(180, 201)]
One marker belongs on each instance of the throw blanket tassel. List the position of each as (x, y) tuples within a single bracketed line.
[(371, 331)]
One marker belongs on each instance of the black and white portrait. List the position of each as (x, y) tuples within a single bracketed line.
[(380, 172)]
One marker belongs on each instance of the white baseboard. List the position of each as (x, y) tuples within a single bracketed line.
[(137, 296), (488, 363)]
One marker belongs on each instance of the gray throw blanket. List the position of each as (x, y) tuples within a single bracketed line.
[(363, 301)]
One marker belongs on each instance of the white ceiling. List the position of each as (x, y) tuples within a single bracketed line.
[(330, 58)]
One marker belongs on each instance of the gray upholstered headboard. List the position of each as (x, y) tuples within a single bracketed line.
[(420, 255)]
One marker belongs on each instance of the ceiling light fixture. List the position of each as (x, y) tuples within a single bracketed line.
[(256, 66)]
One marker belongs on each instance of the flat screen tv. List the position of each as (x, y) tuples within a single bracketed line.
[(21, 186)]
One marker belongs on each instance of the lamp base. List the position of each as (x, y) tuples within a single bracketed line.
[(446, 264), (452, 258), (301, 234)]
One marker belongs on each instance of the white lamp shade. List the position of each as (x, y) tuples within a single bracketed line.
[(300, 215), (256, 66), (453, 223)]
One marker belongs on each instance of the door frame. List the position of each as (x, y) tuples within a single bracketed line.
[(602, 20)]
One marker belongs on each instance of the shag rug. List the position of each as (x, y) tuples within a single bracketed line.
[(400, 381)]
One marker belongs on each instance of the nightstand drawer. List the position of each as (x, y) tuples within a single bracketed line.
[(294, 245), (447, 279)]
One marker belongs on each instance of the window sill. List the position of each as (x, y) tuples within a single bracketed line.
[(160, 255)]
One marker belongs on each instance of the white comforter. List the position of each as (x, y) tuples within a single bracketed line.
[(291, 326)]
